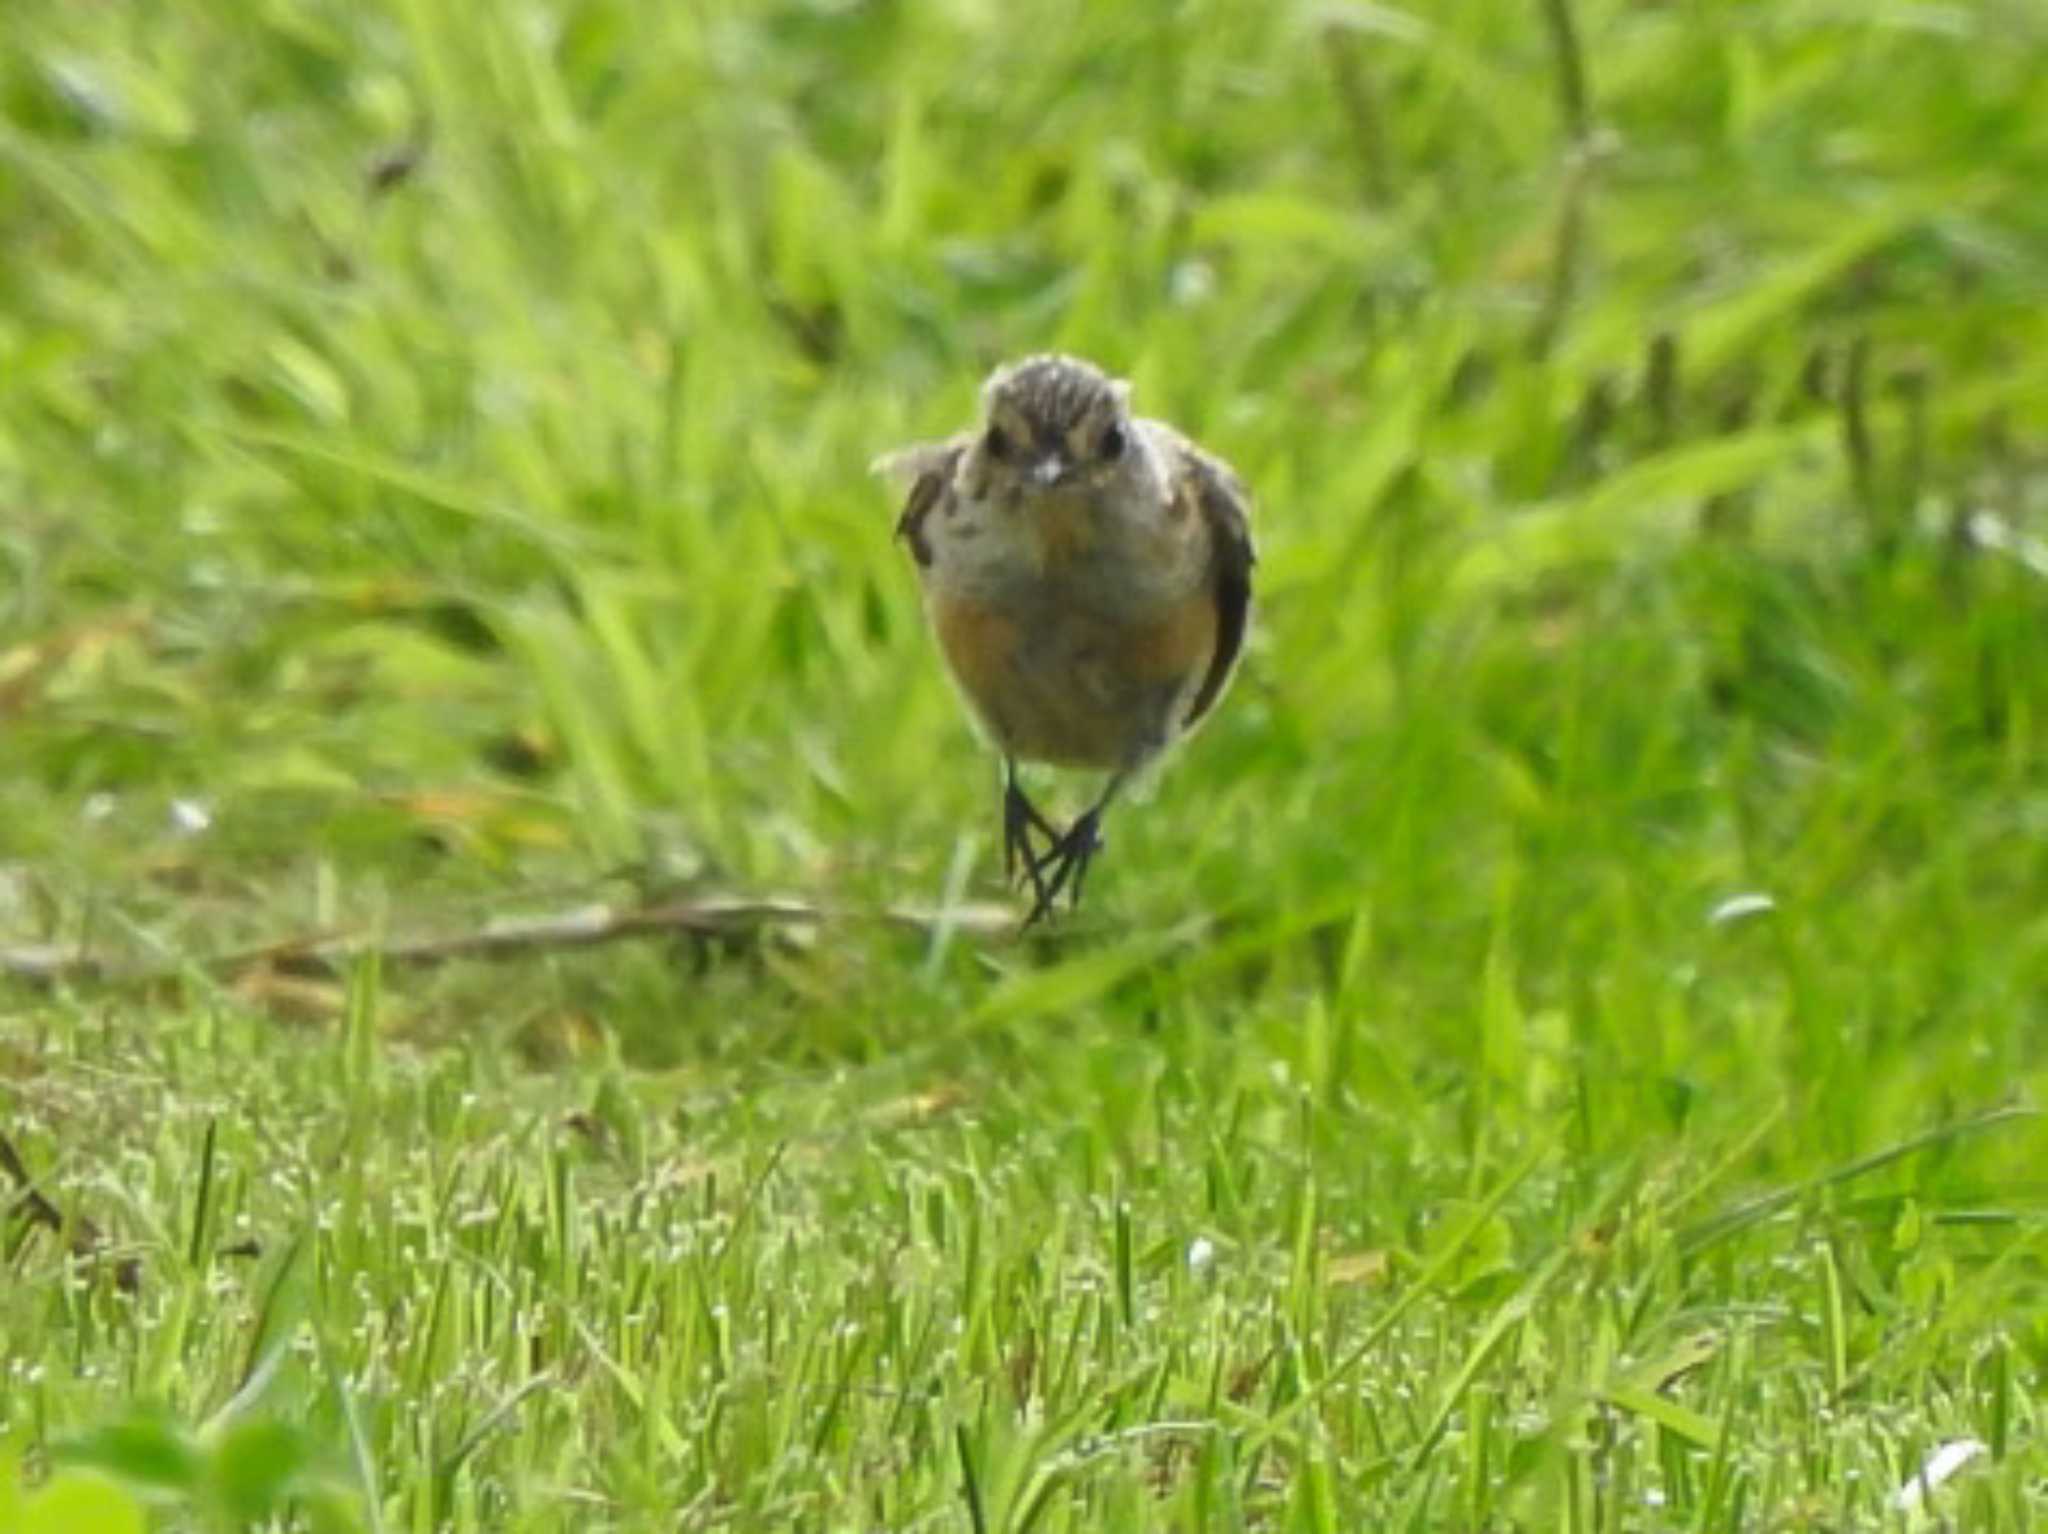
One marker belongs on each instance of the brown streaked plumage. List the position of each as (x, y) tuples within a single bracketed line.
[(1088, 577)]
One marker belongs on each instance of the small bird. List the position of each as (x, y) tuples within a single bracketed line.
[(1088, 575)]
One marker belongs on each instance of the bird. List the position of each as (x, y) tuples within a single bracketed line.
[(1087, 573)]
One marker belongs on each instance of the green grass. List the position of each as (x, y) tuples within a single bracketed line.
[(432, 445)]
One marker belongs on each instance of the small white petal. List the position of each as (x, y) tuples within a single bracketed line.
[(1201, 1253), (1737, 907), (190, 816), (1941, 1466)]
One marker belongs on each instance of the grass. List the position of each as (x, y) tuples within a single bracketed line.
[(1558, 1051)]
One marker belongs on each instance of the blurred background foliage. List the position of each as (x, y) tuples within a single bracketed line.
[(435, 443)]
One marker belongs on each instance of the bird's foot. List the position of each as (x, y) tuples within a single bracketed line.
[(1020, 818), (1064, 866)]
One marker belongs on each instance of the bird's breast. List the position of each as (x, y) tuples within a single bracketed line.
[(1067, 552), (1063, 534), (1057, 682)]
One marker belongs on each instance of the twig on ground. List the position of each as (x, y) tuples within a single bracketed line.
[(583, 927)]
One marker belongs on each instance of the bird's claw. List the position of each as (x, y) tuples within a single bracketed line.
[(1020, 818), (1067, 859)]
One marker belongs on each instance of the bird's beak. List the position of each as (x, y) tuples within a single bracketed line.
[(1049, 470)]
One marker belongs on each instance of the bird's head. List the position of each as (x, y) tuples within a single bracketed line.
[(1054, 426)]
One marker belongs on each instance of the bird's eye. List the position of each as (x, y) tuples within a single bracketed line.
[(997, 442), (1113, 441)]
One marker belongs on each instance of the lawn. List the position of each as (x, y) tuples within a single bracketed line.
[(509, 1018)]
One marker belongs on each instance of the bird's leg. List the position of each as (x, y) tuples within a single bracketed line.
[(1069, 856), (1020, 819)]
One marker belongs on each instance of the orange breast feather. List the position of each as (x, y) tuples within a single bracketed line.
[(1079, 689)]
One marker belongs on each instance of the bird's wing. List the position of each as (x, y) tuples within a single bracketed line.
[(923, 470), (1221, 502)]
